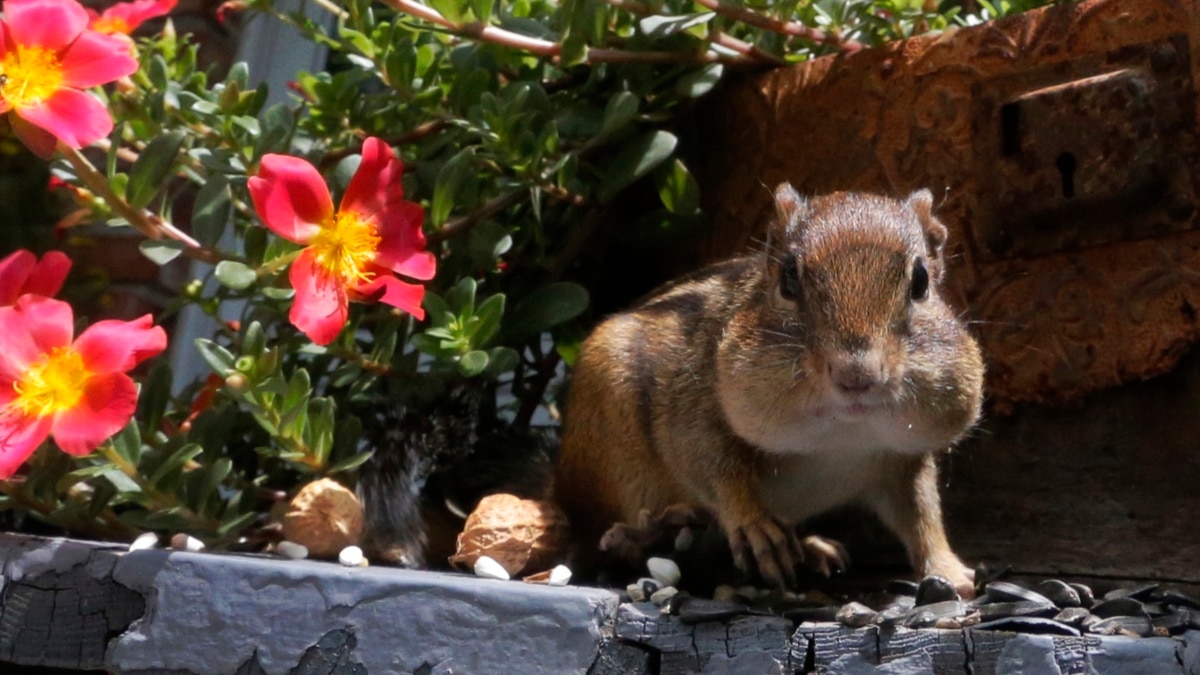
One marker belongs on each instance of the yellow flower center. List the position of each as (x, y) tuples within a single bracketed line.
[(54, 383), (111, 25), (29, 75), (344, 246)]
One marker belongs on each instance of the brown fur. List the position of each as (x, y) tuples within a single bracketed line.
[(721, 391)]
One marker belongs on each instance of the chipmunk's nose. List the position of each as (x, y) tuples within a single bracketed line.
[(856, 373)]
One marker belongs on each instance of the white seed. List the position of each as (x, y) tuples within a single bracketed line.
[(488, 568), (636, 593), (662, 595), (724, 593), (560, 576), (144, 541), (685, 539), (664, 570), (290, 549), (352, 556), (184, 542)]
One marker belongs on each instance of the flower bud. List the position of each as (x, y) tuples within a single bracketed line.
[(237, 382)]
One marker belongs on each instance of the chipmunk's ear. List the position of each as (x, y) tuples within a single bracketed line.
[(790, 211), (921, 203)]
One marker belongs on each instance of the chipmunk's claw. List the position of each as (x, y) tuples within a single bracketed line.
[(826, 556), (773, 547)]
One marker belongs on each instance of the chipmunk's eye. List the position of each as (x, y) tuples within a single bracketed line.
[(789, 279), (920, 280)]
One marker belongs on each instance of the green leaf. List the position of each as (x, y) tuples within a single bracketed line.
[(235, 275), (437, 310), (454, 10), (472, 363), (176, 462), (120, 481), (320, 428), (483, 10), (568, 341), (236, 524), (451, 182), (212, 211), (253, 339), (154, 396), (678, 190), (71, 478), (352, 462), (661, 26), (574, 50), (216, 474), (636, 159), (621, 110), (501, 360), (543, 309), (150, 170), (699, 83), (462, 297), (276, 128), (161, 251), (254, 243), (217, 357), (489, 313)]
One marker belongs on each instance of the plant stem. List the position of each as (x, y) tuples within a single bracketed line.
[(149, 225), (272, 266), (793, 28), (464, 223), (552, 50)]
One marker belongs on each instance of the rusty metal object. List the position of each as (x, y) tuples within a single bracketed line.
[(1063, 145)]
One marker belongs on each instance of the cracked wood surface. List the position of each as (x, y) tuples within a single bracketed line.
[(80, 605)]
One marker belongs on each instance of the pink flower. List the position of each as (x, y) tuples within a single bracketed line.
[(22, 273), (47, 57), (124, 17), (351, 253), (76, 391)]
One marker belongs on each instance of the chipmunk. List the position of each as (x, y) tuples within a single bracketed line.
[(770, 388)]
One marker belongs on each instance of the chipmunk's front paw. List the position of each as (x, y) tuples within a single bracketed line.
[(629, 542), (773, 546), (825, 556)]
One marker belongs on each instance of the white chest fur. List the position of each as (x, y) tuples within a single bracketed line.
[(801, 486)]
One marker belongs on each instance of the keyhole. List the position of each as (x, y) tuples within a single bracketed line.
[(1066, 168)]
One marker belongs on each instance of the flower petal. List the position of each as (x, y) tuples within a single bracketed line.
[(389, 290), (376, 183), (49, 274), (118, 346), (96, 59), (19, 437), (14, 270), (30, 328), (52, 24), (22, 273), (290, 197), (320, 307), (108, 403), (74, 117), (139, 11), (402, 243), (39, 141)]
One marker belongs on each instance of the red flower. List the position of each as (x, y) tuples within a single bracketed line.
[(47, 56), (22, 273), (351, 253), (124, 17), (76, 391)]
